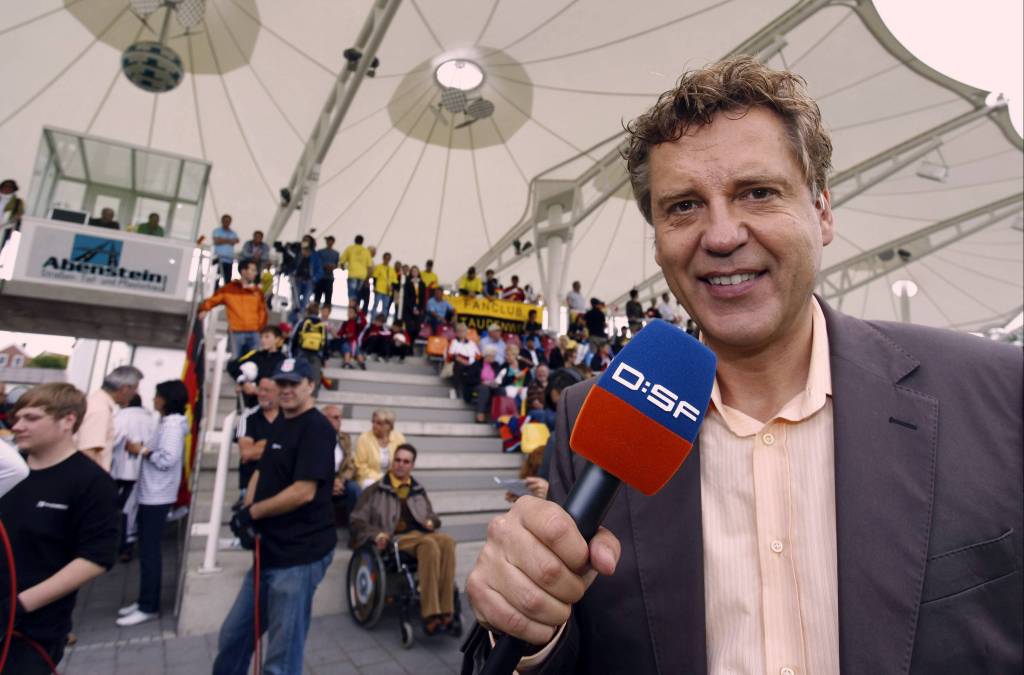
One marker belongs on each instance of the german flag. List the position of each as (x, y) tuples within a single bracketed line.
[(193, 376)]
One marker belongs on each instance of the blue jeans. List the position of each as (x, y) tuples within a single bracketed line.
[(353, 289), (151, 525), (302, 291), (286, 601), (243, 343), (383, 301)]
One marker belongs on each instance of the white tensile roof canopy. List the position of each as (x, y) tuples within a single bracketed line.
[(405, 172)]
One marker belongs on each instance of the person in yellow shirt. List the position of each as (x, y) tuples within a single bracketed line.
[(470, 284), (357, 259), (384, 276), (376, 448), (429, 276)]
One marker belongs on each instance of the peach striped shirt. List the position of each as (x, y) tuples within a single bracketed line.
[(769, 516)]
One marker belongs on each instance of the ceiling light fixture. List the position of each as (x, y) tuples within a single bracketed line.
[(459, 74)]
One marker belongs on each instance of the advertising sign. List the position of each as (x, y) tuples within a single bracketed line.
[(91, 258), (479, 312)]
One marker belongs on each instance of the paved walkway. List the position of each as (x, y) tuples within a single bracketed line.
[(335, 644)]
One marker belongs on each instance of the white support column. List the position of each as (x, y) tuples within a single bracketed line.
[(555, 268), (904, 305)]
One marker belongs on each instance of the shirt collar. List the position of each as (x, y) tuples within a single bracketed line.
[(805, 403), (395, 483)]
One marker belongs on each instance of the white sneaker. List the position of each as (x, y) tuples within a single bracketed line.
[(136, 617), (125, 611)]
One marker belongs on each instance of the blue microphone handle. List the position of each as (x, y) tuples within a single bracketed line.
[(587, 503)]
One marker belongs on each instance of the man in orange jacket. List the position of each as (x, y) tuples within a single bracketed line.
[(246, 307)]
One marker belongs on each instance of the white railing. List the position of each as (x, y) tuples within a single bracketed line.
[(220, 481)]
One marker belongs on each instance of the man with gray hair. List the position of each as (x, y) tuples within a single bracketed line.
[(95, 437)]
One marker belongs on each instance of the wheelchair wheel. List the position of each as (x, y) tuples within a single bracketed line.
[(366, 586), (407, 635)]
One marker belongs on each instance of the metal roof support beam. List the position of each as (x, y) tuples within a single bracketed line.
[(343, 91), (862, 269)]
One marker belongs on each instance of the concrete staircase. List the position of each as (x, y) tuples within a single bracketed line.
[(457, 462)]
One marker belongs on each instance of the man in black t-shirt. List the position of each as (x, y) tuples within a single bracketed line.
[(288, 504), (62, 521)]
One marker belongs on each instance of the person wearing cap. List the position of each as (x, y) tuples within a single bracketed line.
[(329, 258), (288, 506)]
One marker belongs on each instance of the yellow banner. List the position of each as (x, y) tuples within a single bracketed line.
[(479, 312)]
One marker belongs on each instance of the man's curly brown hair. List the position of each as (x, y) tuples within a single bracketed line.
[(732, 86)]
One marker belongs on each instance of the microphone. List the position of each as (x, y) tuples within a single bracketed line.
[(637, 426)]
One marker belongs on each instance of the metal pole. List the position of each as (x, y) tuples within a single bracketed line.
[(552, 292), (220, 480), (904, 304), (218, 377), (309, 189)]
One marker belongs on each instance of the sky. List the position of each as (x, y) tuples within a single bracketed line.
[(980, 43)]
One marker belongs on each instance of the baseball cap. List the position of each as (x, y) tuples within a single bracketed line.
[(293, 370)]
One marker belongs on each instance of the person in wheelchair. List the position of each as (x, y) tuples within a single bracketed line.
[(398, 507)]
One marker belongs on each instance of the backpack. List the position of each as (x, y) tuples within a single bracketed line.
[(312, 335)]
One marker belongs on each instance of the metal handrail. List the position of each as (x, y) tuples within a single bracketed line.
[(220, 481)]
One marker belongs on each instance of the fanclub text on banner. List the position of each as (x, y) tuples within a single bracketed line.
[(481, 312)]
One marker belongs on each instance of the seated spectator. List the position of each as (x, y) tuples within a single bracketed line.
[(517, 373), (470, 284), (376, 448), (464, 354), (257, 250), (652, 311), (533, 352), (376, 340), (309, 342), (439, 310), (535, 395), (349, 338), (151, 226), (634, 311), (621, 340), (532, 328), (596, 320), (484, 380), (346, 490), (599, 360), (156, 492), (264, 360), (106, 220), (512, 292), (246, 309), (531, 296), (397, 506), (401, 343), (492, 287), (578, 329), (575, 302), (494, 339), (556, 359), (133, 426)]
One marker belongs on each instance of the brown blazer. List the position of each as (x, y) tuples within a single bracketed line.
[(929, 510)]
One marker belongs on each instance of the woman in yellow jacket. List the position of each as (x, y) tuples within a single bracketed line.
[(376, 447)]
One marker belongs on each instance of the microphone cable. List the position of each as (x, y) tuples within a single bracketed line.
[(10, 633)]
